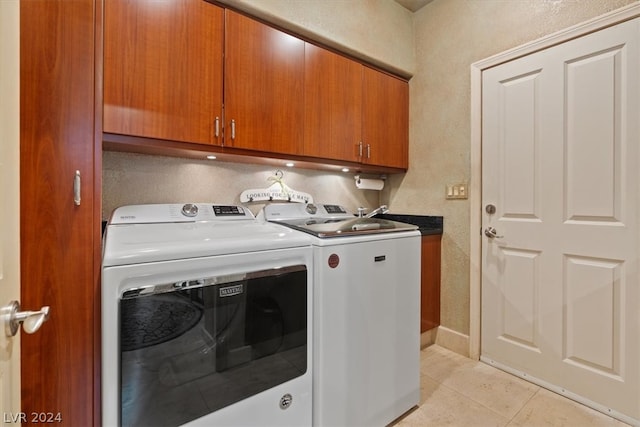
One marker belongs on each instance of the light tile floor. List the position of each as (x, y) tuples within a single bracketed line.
[(457, 391)]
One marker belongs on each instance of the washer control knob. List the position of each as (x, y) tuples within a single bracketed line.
[(311, 208), (190, 210)]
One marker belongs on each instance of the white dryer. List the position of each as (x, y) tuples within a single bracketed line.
[(206, 319)]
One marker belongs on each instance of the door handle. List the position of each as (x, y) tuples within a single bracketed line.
[(492, 233), (30, 320)]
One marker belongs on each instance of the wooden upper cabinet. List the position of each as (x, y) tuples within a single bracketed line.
[(166, 64), (163, 69), (333, 105), (354, 113), (385, 120), (264, 80)]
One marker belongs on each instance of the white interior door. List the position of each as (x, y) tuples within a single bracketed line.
[(560, 277), (9, 202)]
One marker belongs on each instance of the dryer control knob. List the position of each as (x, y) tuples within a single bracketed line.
[(312, 209), (190, 210)]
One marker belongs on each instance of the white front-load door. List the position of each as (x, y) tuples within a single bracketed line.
[(560, 190), (9, 203)]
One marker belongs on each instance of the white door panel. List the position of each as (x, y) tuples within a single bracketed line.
[(9, 202), (560, 298)]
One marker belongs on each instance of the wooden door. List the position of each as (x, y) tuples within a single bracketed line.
[(333, 105), (163, 69), (560, 283), (385, 120), (9, 201), (59, 238), (264, 80)]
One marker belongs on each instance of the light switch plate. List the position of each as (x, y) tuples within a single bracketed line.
[(457, 191)]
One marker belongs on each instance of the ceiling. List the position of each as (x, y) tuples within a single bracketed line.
[(413, 5)]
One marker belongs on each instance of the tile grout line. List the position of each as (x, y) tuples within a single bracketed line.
[(524, 405)]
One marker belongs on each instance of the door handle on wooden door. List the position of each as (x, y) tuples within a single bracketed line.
[(492, 233)]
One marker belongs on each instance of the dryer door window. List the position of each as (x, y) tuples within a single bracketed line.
[(190, 348)]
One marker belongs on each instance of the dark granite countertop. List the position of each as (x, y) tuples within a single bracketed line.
[(426, 224)]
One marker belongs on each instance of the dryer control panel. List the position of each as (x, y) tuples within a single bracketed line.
[(178, 212)]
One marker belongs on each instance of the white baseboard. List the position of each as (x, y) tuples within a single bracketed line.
[(428, 338)]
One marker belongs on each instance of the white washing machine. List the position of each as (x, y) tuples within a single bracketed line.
[(206, 319), (366, 313)]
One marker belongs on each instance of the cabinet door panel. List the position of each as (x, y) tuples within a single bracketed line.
[(163, 69), (264, 79), (385, 121), (430, 282), (58, 238), (333, 105)]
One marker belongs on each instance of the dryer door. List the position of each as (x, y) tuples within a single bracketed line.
[(233, 336)]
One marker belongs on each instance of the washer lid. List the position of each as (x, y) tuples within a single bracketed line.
[(348, 227), (326, 221)]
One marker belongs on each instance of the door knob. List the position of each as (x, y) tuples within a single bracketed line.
[(492, 233), (30, 320)]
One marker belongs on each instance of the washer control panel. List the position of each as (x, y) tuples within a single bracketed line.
[(293, 211)]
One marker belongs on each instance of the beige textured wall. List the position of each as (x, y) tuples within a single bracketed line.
[(450, 35), (136, 178)]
